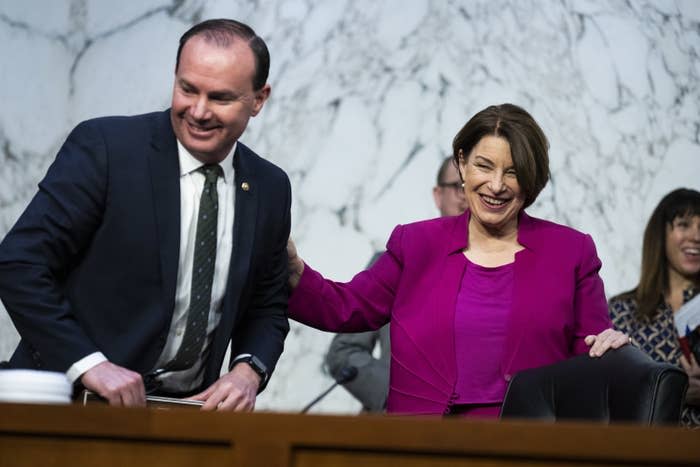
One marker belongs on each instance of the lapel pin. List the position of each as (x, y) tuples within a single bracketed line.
[(245, 186)]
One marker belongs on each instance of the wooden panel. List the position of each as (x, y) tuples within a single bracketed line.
[(106, 436), (21, 451), (334, 458)]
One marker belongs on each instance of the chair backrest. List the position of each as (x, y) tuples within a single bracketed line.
[(624, 385)]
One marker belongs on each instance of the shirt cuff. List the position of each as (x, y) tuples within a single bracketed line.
[(84, 364)]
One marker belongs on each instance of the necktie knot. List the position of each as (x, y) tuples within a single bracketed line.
[(211, 172)]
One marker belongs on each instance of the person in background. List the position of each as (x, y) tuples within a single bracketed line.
[(669, 281), (155, 240), (472, 299), (448, 192), (371, 385)]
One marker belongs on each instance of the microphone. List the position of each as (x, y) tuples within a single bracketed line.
[(347, 374)]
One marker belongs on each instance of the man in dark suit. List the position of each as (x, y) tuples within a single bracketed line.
[(155, 240)]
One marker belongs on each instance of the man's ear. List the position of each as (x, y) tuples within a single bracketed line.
[(437, 197), (260, 97)]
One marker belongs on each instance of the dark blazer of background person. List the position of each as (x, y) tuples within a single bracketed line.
[(91, 265)]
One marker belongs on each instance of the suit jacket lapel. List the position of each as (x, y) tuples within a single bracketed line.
[(165, 181), (245, 216), (526, 278), (244, 221), (444, 301)]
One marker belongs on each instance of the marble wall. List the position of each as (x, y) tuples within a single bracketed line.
[(366, 99)]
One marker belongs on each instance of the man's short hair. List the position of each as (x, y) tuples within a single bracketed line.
[(442, 171), (222, 32)]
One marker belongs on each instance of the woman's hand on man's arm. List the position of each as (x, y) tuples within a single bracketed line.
[(295, 264)]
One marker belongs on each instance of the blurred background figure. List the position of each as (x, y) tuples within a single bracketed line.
[(669, 284), (371, 385), (448, 191), (514, 291)]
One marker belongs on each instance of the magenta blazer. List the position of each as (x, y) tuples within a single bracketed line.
[(558, 299)]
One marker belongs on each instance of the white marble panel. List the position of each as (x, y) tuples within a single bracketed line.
[(367, 97)]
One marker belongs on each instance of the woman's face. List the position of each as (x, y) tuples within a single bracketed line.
[(490, 184), (683, 246)]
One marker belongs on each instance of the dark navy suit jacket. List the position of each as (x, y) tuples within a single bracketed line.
[(91, 265)]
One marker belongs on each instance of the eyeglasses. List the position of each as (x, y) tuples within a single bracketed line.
[(458, 187)]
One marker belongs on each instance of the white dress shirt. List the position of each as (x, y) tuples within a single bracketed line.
[(191, 185)]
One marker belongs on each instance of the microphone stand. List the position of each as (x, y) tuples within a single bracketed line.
[(346, 375)]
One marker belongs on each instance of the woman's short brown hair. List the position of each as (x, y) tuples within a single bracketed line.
[(528, 144)]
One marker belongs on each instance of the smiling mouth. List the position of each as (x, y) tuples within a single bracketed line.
[(198, 129), (493, 202), (695, 252)]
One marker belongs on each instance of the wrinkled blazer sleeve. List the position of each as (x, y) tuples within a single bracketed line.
[(590, 307), (50, 236), (363, 304), (371, 384)]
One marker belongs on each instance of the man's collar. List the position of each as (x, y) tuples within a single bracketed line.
[(188, 163)]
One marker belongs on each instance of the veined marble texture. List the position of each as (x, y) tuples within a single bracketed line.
[(366, 99)]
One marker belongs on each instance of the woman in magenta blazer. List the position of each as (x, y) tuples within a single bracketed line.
[(475, 298)]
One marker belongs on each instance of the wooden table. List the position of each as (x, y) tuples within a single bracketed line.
[(36, 435)]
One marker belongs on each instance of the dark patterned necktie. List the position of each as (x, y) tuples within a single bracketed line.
[(202, 273)]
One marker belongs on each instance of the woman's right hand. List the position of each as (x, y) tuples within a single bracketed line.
[(692, 397), (295, 265)]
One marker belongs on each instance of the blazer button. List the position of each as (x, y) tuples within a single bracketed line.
[(507, 377)]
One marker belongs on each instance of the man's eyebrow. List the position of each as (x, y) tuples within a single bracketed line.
[(222, 94), (184, 82)]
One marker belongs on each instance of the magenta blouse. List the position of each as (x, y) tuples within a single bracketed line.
[(481, 318)]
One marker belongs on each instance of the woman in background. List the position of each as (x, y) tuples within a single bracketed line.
[(473, 298), (669, 279)]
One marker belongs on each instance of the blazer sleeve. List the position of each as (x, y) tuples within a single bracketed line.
[(371, 384), (363, 304), (47, 240), (264, 325), (590, 307)]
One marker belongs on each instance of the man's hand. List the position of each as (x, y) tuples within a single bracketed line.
[(692, 397), (608, 339), (236, 390), (295, 264), (121, 387)]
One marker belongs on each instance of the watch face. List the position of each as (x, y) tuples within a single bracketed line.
[(258, 366)]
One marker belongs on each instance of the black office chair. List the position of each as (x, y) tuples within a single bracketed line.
[(624, 385)]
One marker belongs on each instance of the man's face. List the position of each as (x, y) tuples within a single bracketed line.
[(213, 97), (449, 196)]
